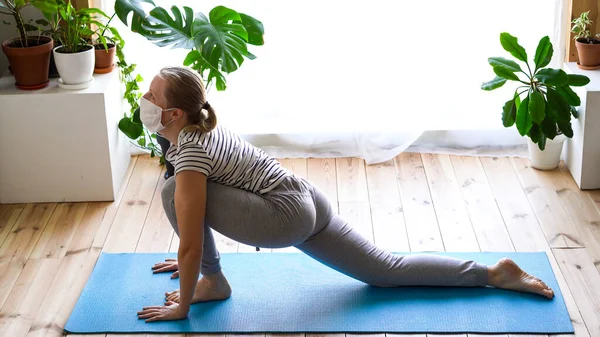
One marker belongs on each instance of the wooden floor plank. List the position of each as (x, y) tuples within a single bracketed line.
[(582, 210), (133, 210), (524, 231), (452, 216), (421, 222), (59, 231), (553, 217), (88, 228), (10, 270), (112, 207), (520, 219), (389, 229), (27, 230), (157, 233), (64, 290), (353, 196), (481, 205), (584, 281), (322, 173), (8, 217), (25, 299)]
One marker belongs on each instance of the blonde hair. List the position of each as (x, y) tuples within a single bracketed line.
[(185, 90)]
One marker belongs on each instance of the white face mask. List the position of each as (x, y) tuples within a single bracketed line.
[(151, 115)]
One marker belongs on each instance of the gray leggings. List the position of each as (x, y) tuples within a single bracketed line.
[(298, 214)]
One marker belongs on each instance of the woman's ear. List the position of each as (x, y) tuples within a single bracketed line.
[(178, 113)]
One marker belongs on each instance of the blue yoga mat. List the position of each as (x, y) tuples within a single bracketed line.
[(290, 292)]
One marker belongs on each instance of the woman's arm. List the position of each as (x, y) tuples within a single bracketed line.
[(190, 206)]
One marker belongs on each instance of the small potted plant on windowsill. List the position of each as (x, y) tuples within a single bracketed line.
[(106, 47), (542, 107), (588, 46), (75, 58), (29, 56)]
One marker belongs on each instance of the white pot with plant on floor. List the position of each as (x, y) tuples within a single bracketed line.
[(75, 58), (542, 103)]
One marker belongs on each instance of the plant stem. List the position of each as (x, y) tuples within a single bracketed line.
[(21, 27)]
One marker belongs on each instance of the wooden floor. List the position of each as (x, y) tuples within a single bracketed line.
[(414, 202)]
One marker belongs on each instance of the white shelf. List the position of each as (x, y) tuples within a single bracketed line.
[(582, 152), (59, 145)]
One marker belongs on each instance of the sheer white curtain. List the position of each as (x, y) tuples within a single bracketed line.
[(368, 78)]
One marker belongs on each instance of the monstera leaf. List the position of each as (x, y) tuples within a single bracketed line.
[(124, 7), (218, 44)]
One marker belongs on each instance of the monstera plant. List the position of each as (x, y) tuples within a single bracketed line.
[(217, 44), (543, 103)]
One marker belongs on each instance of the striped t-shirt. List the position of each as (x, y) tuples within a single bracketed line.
[(227, 159)]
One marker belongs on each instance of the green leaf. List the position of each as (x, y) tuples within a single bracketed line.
[(42, 22), (511, 45), (543, 53), (165, 30), (504, 73), (197, 62), (502, 62), (509, 113), (90, 11), (569, 95), (496, 83), (554, 77), (30, 28), (124, 7), (574, 112), (558, 104), (576, 80), (142, 141), (549, 124), (537, 107), (221, 43), (131, 130), (136, 117), (565, 128), (534, 133), (524, 121), (542, 141), (254, 28)]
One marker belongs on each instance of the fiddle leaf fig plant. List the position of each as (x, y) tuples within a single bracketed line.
[(542, 105)]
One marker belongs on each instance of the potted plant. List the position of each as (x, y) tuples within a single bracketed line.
[(105, 48), (51, 26), (29, 56), (588, 46), (75, 57), (542, 106), (217, 44)]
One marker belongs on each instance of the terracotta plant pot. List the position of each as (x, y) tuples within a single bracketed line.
[(588, 51), (29, 65), (105, 59)]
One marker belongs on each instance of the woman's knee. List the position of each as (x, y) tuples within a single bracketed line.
[(168, 201), (168, 192)]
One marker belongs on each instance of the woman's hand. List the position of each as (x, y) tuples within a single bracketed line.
[(170, 312), (168, 265)]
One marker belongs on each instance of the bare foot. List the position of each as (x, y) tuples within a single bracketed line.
[(507, 275), (209, 288)]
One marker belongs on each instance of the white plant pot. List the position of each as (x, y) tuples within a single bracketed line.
[(75, 68), (550, 157)]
